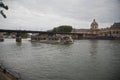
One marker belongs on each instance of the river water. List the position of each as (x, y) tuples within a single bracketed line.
[(83, 60)]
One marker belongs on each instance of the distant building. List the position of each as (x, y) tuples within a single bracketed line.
[(115, 26), (94, 25), (96, 32)]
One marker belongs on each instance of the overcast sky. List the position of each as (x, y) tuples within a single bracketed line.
[(46, 14)]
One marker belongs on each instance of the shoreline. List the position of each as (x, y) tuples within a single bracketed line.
[(6, 75)]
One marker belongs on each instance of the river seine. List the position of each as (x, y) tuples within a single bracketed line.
[(83, 60)]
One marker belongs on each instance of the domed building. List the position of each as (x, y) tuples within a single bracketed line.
[(94, 25), (94, 28), (94, 32)]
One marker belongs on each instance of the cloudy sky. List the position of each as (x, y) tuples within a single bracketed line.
[(46, 14)]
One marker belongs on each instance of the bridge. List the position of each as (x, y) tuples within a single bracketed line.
[(18, 39), (20, 31), (32, 31)]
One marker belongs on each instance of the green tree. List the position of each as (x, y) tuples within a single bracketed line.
[(63, 28)]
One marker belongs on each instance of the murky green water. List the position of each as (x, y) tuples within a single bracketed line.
[(83, 60)]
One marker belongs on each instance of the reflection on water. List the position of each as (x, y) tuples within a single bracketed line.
[(18, 43), (93, 47), (83, 60)]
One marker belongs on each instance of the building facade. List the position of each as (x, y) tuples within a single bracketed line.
[(95, 32)]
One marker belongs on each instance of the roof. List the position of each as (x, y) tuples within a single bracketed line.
[(116, 26)]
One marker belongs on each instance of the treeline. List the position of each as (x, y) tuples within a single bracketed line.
[(62, 28)]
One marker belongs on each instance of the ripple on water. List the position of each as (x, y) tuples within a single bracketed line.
[(83, 60)]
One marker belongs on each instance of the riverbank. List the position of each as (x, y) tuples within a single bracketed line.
[(5, 75)]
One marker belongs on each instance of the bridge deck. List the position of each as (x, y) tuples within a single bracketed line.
[(42, 32)]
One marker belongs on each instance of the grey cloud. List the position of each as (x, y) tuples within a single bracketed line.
[(50, 13)]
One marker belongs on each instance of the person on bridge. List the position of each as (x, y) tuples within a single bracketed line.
[(2, 5)]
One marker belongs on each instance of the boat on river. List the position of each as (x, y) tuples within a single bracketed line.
[(67, 39), (54, 39)]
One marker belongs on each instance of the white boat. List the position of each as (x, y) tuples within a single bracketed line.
[(53, 39), (67, 39)]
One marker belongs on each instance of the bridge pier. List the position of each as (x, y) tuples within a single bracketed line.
[(18, 37)]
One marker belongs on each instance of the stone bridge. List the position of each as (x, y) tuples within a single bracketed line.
[(18, 36)]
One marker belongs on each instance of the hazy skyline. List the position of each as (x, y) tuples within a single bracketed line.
[(46, 14)]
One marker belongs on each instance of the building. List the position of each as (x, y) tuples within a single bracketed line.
[(96, 33)]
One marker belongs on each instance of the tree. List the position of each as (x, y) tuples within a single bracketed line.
[(2, 5), (63, 28)]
